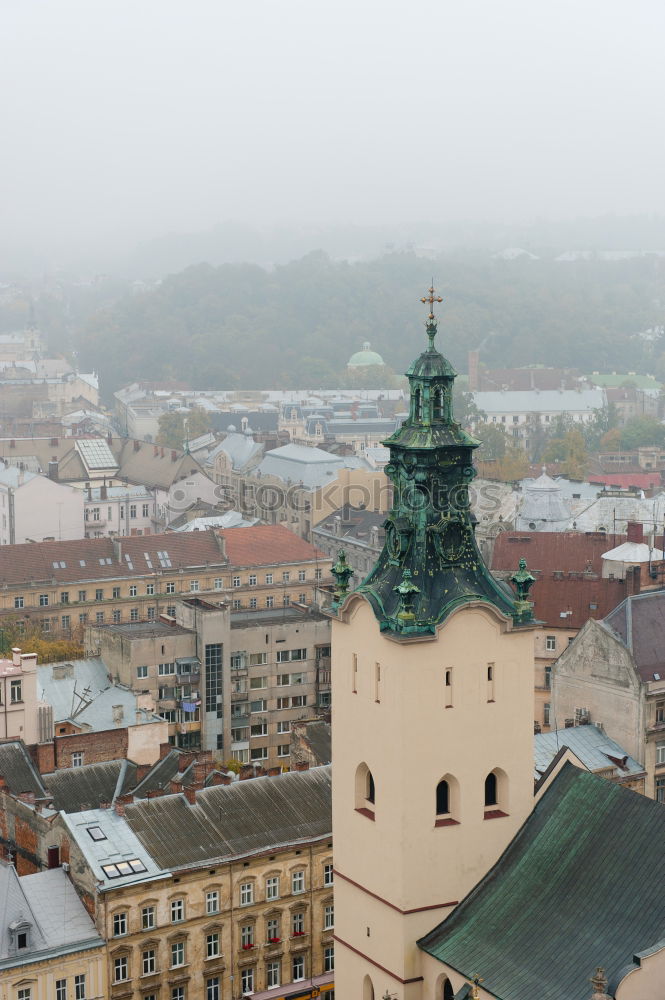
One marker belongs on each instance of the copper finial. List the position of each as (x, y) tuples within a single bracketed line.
[(430, 300)]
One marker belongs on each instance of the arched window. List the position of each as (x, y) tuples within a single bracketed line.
[(365, 792), (491, 790), (442, 798), (368, 989), (417, 404), (448, 991), (438, 404)]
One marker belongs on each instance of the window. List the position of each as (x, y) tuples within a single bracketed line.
[(328, 917), (79, 987), (15, 693), (298, 968), (252, 579), (259, 753), (146, 510), (99, 595), (329, 959), (194, 586), (235, 581), (283, 749), (148, 918), (142, 671), (286, 576), (546, 714), (302, 598), (132, 510), (120, 969), (288, 655), (660, 752), (258, 706), (212, 901), (170, 587), (491, 790), (548, 677), (260, 729), (268, 577), (64, 597), (43, 600), (61, 989), (134, 614), (282, 703), (256, 683), (246, 893), (284, 727), (270, 602), (99, 617), (177, 953), (212, 945), (164, 669), (318, 574), (116, 593), (18, 603), (178, 993), (237, 604), (298, 882), (660, 713), (283, 680), (148, 962), (257, 659), (115, 617), (152, 614), (247, 980), (302, 575), (82, 595), (272, 929), (660, 789), (150, 589), (24, 994), (83, 618), (247, 936), (299, 701), (218, 583), (133, 590), (212, 988), (550, 643), (272, 887), (177, 910), (273, 977)]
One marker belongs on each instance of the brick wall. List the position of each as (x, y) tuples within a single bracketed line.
[(111, 744)]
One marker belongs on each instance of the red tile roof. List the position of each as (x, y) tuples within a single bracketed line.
[(105, 558), (268, 545), (574, 599), (622, 480), (547, 551)]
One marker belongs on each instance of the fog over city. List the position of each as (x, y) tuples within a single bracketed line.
[(127, 121)]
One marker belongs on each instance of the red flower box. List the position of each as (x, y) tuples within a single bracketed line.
[(247, 947), (274, 940), (298, 933)]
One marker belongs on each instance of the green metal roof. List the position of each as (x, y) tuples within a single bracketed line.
[(580, 885)]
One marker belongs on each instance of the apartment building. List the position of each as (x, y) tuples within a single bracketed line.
[(65, 585), (219, 893)]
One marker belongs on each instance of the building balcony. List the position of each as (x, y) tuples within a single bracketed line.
[(238, 696)]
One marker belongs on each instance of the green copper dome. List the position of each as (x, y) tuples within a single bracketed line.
[(365, 357), (430, 563)]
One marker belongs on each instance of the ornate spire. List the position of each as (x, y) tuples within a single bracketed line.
[(431, 325), (430, 563), (342, 573), (523, 581)]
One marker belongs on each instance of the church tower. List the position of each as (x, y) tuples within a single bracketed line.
[(432, 676)]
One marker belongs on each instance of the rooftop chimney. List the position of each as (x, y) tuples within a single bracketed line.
[(16, 656)]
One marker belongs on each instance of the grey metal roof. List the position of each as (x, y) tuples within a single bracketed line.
[(542, 401), (639, 622), (49, 903), (234, 820), (119, 843), (299, 464), (240, 448), (159, 775), (18, 770), (590, 745), (77, 788)]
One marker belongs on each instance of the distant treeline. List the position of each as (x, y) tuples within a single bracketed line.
[(296, 325)]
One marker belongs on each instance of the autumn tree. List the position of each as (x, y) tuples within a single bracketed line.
[(175, 427)]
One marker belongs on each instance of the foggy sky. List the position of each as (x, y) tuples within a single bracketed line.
[(138, 117)]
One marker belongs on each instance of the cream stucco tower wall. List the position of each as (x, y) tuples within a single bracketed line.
[(399, 874), (432, 687)]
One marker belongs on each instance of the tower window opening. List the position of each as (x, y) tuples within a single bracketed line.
[(438, 404), (491, 790), (371, 791), (365, 792), (442, 798), (496, 794), (418, 404), (448, 689)]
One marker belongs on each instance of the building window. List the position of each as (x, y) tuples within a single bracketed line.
[(170, 588), (83, 618), (252, 579), (43, 600), (328, 917), (260, 729), (99, 595), (142, 672), (660, 752), (286, 576), (177, 953), (178, 993), (328, 874), (150, 589), (550, 643), (152, 614), (82, 595), (15, 693), (546, 714), (253, 603), (284, 727), (177, 911), (61, 989), (165, 669), (148, 921), (272, 930), (257, 683), (237, 604), (259, 753), (273, 977), (64, 597), (119, 919), (247, 980), (212, 988), (660, 789), (115, 617), (298, 701), (247, 936), (79, 987), (212, 901), (116, 593), (133, 590), (18, 602), (298, 882), (194, 586), (134, 614), (235, 581), (24, 994), (120, 969), (268, 577), (318, 574), (283, 749), (329, 959), (660, 713), (212, 945), (302, 598), (272, 887), (298, 968), (132, 510), (491, 789), (148, 962), (246, 893), (270, 602), (442, 798), (302, 575), (146, 510), (77, 761), (99, 617)]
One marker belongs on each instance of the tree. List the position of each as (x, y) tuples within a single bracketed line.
[(513, 466), (49, 649), (642, 431), (570, 451), (611, 441), (492, 442), (604, 420), (175, 426)]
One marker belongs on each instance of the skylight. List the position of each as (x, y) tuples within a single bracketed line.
[(121, 868), (97, 833)]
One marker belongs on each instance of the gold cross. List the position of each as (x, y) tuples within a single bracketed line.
[(475, 992), (431, 299)]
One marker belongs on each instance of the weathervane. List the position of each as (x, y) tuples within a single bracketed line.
[(431, 319)]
